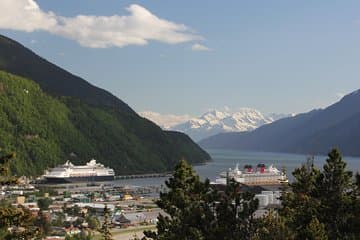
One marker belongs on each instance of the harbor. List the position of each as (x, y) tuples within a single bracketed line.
[(132, 198)]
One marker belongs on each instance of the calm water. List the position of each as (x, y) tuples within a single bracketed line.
[(225, 159)]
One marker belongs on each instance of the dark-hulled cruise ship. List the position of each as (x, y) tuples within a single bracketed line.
[(68, 173)]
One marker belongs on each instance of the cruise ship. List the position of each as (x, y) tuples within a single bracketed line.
[(68, 173), (261, 175)]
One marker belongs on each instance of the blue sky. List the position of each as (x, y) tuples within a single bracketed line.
[(275, 56)]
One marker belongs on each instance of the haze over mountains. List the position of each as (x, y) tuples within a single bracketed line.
[(314, 132), (53, 113), (165, 121), (214, 121)]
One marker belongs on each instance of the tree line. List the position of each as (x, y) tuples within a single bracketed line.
[(319, 204)]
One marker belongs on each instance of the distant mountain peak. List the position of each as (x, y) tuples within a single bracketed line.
[(213, 121), (216, 121), (357, 92), (315, 132)]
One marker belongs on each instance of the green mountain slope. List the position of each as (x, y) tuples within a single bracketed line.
[(19, 60), (44, 125)]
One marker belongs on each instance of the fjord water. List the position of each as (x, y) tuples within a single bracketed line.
[(222, 160)]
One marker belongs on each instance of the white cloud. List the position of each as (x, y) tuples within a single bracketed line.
[(137, 28), (25, 15), (199, 47), (165, 121)]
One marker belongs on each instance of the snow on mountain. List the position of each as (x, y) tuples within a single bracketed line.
[(165, 121), (214, 122)]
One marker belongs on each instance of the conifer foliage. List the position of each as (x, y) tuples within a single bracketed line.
[(105, 228), (197, 211), (15, 222), (323, 204), (317, 205)]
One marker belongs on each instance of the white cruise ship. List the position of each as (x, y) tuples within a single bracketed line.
[(90, 172), (261, 175)]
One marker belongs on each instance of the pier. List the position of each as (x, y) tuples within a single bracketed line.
[(147, 175)]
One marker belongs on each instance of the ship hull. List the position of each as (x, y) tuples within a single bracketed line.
[(79, 179)]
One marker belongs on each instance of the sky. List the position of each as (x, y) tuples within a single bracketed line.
[(185, 57)]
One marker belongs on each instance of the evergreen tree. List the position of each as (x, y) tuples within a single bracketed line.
[(19, 219), (197, 211), (105, 228), (315, 230), (185, 202), (5, 176), (334, 188), (354, 220), (44, 203), (322, 204), (273, 227), (234, 214), (298, 204)]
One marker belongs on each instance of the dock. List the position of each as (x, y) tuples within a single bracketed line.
[(147, 175)]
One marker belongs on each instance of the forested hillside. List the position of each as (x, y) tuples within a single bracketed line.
[(45, 130)]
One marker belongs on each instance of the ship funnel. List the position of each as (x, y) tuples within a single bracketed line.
[(237, 167)]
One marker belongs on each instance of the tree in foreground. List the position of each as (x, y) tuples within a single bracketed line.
[(197, 211), (234, 214), (322, 204), (298, 204), (334, 189), (317, 205), (185, 203), (5, 177), (272, 227), (19, 220), (105, 228)]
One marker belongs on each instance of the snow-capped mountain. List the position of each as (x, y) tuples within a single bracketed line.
[(315, 132), (214, 122), (165, 121)]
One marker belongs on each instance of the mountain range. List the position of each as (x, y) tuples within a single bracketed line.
[(48, 114), (214, 122), (314, 132)]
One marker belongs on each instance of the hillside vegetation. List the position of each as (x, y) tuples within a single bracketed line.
[(44, 130), (55, 113)]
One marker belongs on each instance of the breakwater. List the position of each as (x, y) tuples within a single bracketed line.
[(147, 175)]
